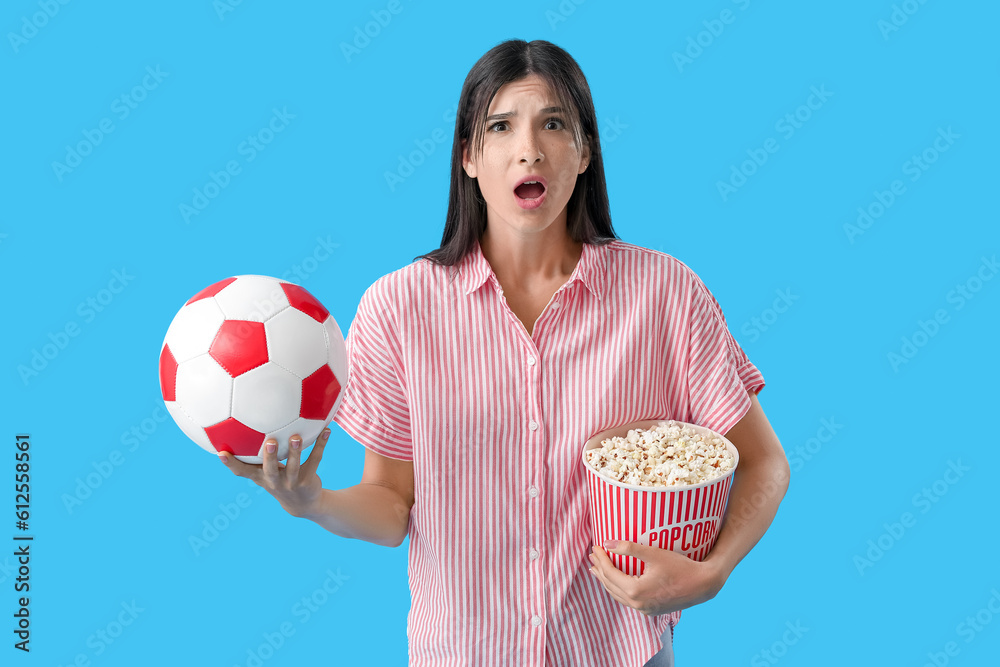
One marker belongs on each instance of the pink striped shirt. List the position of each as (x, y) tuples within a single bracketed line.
[(444, 374)]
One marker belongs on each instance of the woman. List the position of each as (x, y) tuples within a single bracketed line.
[(479, 370)]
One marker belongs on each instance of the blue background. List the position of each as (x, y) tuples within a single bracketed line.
[(671, 131)]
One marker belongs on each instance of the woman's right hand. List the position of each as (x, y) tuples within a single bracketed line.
[(297, 487)]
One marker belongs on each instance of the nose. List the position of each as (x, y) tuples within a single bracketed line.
[(530, 149)]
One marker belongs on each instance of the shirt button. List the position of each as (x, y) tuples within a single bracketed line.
[(533, 492), (536, 621), (531, 361), (533, 554), (555, 305), (533, 425)]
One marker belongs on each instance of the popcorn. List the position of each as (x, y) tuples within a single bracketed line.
[(668, 454)]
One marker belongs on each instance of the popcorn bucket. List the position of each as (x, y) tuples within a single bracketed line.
[(685, 519)]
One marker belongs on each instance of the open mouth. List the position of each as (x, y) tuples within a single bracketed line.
[(531, 194), (529, 190)]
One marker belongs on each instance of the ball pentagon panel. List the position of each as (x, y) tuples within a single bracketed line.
[(211, 290), (236, 438), (320, 392), (168, 374), (300, 299), (239, 346)]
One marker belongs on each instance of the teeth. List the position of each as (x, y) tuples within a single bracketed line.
[(528, 182)]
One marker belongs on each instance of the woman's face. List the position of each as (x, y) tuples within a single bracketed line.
[(527, 138)]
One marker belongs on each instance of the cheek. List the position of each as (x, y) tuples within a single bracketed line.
[(497, 159), (494, 171), (569, 172), (567, 155)]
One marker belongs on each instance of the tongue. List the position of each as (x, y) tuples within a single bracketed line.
[(529, 190)]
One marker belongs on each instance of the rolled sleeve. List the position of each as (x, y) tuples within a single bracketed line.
[(375, 411), (719, 372)]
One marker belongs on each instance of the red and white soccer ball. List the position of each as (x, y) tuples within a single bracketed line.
[(251, 358)]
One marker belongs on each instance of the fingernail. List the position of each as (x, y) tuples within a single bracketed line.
[(326, 433), (223, 458), (296, 443), (271, 448), (611, 544)]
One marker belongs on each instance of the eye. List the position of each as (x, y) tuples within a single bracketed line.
[(558, 121), (493, 126)]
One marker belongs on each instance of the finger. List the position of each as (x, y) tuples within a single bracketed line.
[(270, 466), (616, 581), (312, 463), (239, 468), (598, 573), (293, 461)]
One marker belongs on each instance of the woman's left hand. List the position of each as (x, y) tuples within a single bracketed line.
[(669, 582)]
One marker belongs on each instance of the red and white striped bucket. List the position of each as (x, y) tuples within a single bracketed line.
[(685, 519)]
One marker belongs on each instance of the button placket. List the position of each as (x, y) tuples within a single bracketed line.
[(533, 384), (532, 374)]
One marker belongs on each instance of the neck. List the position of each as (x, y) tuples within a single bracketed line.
[(526, 263)]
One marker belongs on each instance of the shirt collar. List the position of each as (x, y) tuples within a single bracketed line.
[(591, 270)]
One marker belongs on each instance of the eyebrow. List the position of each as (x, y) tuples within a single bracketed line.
[(511, 114)]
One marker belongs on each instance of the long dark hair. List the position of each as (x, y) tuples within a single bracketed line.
[(588, 215)]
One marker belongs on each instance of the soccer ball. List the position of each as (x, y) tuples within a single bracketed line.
[(251, 358)]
